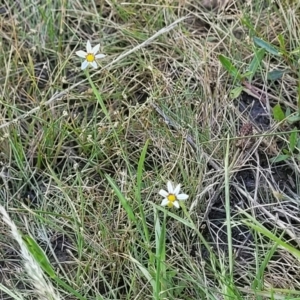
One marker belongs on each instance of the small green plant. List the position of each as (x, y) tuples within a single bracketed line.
[(291, 150), (280, 115), (240, 78), (293, 144)]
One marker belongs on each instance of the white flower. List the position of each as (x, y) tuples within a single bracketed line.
[(172, 196), (90, 55)]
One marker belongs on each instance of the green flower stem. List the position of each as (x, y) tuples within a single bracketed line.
[(202, 239)]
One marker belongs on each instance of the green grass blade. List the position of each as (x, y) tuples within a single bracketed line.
[(41, 258), (231, 69), (160, 237), (256, 62), (10, 293), (139, 190), (255, 225), (98, 95), (122, 199), (228, 210), (39, 255), (267, 46), (258, 283), (144, 271)]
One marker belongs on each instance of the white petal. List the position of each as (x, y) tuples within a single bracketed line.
[(177, 189), (163, 193), (94, 64), (176, 204), (182, 196), (81, 53), (96, 49), (84, 65), (170, 187), (100, 55), (165, 202), (88, 47)]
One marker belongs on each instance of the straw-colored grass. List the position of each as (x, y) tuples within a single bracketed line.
[(202, 93)]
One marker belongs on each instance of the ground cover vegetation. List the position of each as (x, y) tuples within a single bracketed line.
[(162, 164)]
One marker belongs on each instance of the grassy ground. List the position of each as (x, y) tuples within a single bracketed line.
[(205, 94)]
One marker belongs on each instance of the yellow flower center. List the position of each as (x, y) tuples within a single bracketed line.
[(90, 57), (172, 199)]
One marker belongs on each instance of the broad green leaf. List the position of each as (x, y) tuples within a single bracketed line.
[(293, 119), (265, 45), (225, 61), (286, 151), (275, 74), (293, 140), (278, 113), (280, 158), (234, 93), (256, 62), (122, 199), (39, 255)]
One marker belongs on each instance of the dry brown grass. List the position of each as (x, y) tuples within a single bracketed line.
[(57, 144)]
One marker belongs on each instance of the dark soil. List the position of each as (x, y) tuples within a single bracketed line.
[(254, 110), (280, 175)]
